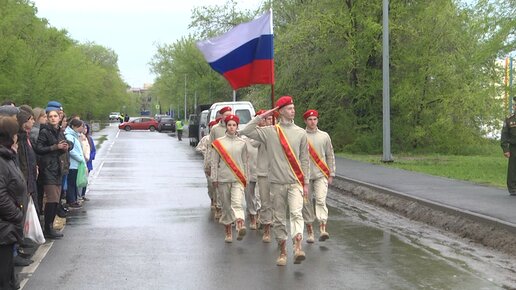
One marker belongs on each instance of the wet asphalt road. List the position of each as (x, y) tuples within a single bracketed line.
[(149, 226)]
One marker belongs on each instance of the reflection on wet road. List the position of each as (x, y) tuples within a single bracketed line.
[(148, 226)]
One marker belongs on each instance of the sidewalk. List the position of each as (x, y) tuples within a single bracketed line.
[(483, 203)]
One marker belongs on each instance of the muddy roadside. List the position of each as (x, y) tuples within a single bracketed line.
[(482, 246)]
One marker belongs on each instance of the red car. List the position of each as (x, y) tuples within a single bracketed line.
[(143, 123)]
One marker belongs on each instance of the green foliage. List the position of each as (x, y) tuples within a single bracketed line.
[(39, 63), (445, 79)]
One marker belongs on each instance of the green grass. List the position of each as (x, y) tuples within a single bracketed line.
[(483, 169)]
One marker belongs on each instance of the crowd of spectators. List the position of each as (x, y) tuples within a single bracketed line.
[(41, 154)]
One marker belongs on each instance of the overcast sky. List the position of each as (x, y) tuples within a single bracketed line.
[(132, 28)]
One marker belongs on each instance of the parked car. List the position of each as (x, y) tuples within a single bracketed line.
[(159, 116), (114, 116), (167, 124), (142, 123)]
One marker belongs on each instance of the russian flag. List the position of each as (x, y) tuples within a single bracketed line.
[(245, 54)]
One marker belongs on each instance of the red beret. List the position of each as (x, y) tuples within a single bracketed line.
[(284, 101), (276, 114), (310, 113), (261, 111), (218, 119), (212, 123), (232, 118), (225, 109)]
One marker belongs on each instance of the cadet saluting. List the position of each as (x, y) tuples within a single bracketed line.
[(322, 171), (509, 148), (287, 151)]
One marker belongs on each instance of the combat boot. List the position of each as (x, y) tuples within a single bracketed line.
[(229, 234), (282, 259), (266, 233), (252, 222), (241, 229), (324, 234), (310, 230), (299, 255)]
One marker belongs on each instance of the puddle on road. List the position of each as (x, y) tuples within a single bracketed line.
[(401, 259), (403, 264)]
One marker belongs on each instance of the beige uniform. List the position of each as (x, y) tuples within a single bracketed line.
[(231, 191), (251, 198), (318, 181), (203, 148), (217, 131), (285, 188), (262, 172)]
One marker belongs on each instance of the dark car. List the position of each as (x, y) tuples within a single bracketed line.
[(166, 124), (143, 123)]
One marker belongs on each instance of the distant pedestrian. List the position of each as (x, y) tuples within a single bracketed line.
[(12, 184), (229, 175), (51, 146), (91, 152), (27, 156), (126, 118), (508, 143), (179, 129), (72, 134), (40, 117)]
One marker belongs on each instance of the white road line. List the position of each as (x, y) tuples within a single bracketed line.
[(41, 252)]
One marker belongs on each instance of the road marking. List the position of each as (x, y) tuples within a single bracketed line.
[(41, 252)]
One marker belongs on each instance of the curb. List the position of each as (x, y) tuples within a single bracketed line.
[(484, 219)]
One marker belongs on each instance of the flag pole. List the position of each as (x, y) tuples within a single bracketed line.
[(234, 95)]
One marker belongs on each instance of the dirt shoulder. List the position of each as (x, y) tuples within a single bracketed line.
[(486, 233)]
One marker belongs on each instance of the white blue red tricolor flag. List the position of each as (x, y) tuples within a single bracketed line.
[(245, 54)]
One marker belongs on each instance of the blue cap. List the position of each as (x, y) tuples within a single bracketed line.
[(53, 106)]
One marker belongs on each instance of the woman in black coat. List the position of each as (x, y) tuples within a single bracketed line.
[(12, 189), (50, 146)]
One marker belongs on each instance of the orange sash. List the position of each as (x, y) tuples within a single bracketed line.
[(291, 157), (229, 162), (318, 161)]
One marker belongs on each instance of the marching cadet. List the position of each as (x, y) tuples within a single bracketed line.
[(251, 198), (287, 149), (322, 171), (217, 131), (228, 172), (262, 171), (203, 148), (508, 143)]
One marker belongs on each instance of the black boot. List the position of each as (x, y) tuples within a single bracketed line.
[(50, 215)]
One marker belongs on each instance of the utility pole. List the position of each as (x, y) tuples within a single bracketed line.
[(387, 157), (185, 98), (195, 101)]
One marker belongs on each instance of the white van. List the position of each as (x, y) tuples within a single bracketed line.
[(244, 111)]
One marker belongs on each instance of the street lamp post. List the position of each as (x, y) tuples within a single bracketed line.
[(185, 97), (387, 157)]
